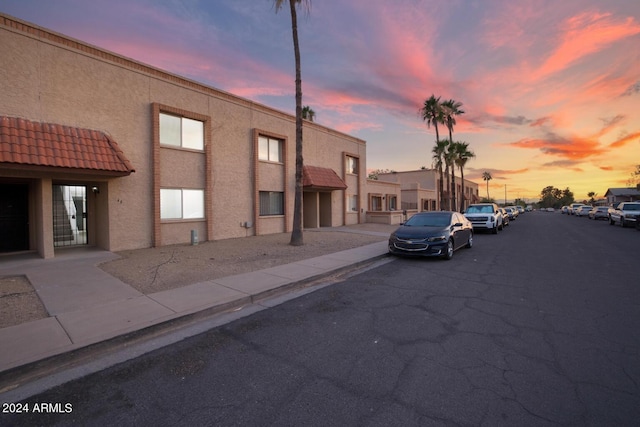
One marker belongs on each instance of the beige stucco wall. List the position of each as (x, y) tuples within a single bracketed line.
[(53, 79)]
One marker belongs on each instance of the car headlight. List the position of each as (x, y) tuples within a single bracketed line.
[(437, 239)]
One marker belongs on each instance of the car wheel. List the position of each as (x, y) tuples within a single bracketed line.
[(611, 222), (449, 253), (470, 241), (494, 230), (622, 224)]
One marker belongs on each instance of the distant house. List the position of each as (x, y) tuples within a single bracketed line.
[(617, 195), (384, 202), (420, 190)]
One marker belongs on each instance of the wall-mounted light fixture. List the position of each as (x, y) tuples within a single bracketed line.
[(95, 190)]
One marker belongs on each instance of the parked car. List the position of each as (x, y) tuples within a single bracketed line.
[(511, 215), (573, 207), (514, 211), (551, 210), (600, 212), (485, 216), (529, 208), (564, 210), (505, 217), (429, 234), (520, 209), (626, 213), (583, 210)]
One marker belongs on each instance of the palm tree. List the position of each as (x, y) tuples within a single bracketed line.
[(308, 113), (487, 177), (463, 155), (438, 159), (296, 233), (450, 157), (432, 113), (451, 109)]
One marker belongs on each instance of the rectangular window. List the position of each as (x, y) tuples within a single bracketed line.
[(271, 203), (352, 165), (181, 204), (269, 149), (352, 203), (392, 202), (376, 203), (181, 132)]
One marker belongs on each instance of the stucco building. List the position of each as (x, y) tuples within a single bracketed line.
[(99, 149), (420, 190), (616, 195)]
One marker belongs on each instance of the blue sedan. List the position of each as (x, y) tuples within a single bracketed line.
[(431, 234)]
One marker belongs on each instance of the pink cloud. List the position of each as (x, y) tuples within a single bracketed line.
[(575, 148), (634, 137), (583, 35)]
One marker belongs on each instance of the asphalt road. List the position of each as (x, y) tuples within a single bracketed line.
[(538, 325)]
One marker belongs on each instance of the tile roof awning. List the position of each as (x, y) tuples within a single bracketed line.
[(317, 178), (26, 144)]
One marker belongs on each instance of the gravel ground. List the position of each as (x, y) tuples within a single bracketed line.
[(157, 269), (19, 302)]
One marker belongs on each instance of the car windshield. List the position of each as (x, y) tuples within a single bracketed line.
[(431, 220), (480, 209)]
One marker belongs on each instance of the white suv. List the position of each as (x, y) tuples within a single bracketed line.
[(485, 216)]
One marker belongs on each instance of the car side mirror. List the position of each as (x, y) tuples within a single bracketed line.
[(457, 224)]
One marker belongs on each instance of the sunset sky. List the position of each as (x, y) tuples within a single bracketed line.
[(550, 89)]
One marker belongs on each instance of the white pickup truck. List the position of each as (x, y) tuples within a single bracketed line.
[(626, 213)]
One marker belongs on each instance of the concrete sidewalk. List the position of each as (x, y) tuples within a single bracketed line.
[(88, 306)]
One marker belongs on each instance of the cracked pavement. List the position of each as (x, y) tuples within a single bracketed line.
[(538, 325)]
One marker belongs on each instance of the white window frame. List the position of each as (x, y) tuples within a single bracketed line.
[(352, 165), (181, 132), (270, 149), (181, 203)]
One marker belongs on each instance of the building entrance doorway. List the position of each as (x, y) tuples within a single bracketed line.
[(69, 215), (316, 209), (14, 217)]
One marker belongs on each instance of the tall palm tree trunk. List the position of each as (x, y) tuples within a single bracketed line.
[(296, 233), (448, 187), (441, 190), (461, 189), (453, 188)]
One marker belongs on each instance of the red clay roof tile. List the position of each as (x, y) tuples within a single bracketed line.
[(46, 144), (319, 178)]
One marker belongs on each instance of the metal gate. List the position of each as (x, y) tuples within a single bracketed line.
[(69, 215)]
